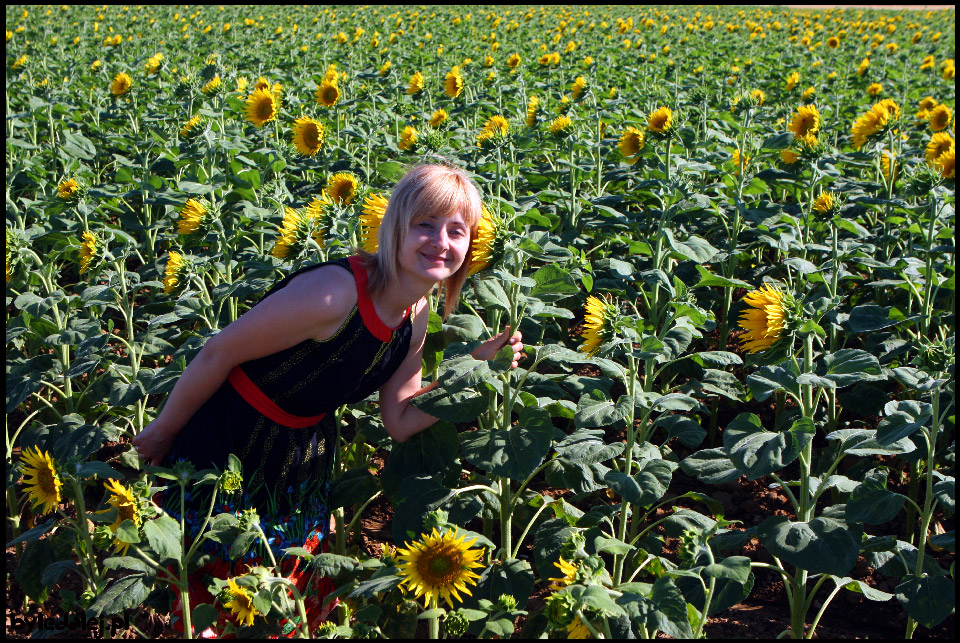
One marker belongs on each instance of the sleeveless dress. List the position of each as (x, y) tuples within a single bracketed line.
[(276, 414)]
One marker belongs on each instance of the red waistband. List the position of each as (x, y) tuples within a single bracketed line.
[(258, 400)]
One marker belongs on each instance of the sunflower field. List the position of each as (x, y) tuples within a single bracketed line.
[(727, 235)]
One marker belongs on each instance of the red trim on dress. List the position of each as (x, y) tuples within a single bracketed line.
[(367, 311), (259, 400)]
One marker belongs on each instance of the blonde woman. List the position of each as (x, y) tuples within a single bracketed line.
[(265, 388)]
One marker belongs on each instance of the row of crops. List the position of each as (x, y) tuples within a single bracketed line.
[(726, 234)]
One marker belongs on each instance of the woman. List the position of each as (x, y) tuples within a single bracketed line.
[(266, 387)]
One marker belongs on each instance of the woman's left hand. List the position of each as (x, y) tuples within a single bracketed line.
[(488, 349)]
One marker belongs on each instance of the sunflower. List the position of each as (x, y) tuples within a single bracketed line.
[(939, 118), (241, 84), (561, 126), (121, 84), (513, 61), (453, 83), (291, 231), (887, 158), (739, 162), (924, 108), (569, 577), (416, 84), (176, 267), (871, 123), (875, 89), (385, 68), (660, 121), (123, 500), (212, 87), (497, 125), (262, 83), (826, 203), (939, 143), (439, 566), (631, 142), (261, 107), (91, 249), (190, 127), (408, 139), (485, 139), (758, 97), (599, 324), (41, 480), (765, 320), (533, 109), (833, 42), (438, 118), (374, 207), (342, 187), (808, 94), (154, 63), (789, 157), (241, 604), (307, 135), (806, 123), (946, 163), (792, 80), (191, 216), (481, 247), (327, 93), (577, 630), (579, 87), (67, 189), (864, 66)]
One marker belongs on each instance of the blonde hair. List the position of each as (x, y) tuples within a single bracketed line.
[(425, 190)]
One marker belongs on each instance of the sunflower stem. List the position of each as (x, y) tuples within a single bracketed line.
[(434, 620)]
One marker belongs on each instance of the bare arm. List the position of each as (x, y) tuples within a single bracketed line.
[(402, 419), (313, 305)]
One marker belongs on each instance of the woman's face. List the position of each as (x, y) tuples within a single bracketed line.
[(435, 247)]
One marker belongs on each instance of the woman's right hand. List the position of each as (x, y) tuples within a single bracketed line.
[(154, 443)]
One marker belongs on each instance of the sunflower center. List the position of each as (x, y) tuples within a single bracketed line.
[(265, 109), (330, 95), (439, 566), (47, 481), (311, 136)]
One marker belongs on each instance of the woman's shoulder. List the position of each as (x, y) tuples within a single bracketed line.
[(331, 287)]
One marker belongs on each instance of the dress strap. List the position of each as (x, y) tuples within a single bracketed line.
[(367, 310), (259, 400)]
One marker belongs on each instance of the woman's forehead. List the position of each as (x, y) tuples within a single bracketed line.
[(454, 216)]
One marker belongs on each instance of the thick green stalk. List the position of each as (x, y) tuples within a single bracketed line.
[(631, 383), (798, 603), (927, 312), (928, 500), (434, 620)]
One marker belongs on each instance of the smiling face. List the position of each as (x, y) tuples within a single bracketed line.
[(435, 246)]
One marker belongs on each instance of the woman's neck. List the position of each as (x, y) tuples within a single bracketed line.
[(393, 303)]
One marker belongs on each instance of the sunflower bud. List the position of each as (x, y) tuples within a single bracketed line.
[(455, 624), (507, 602), (561, 609), (327, 630), (231, 481), (248, 519), (436, 519), (923, 179), (102, 537)]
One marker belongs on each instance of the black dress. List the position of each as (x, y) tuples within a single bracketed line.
[(276, 414)]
